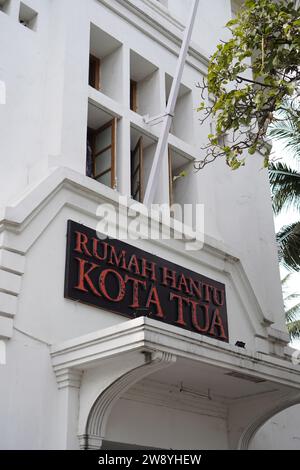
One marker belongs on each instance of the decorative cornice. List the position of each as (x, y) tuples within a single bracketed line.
[(12, 267), (145, 334), (66, 188), (164, 28), (89, 442), (164, 13), (278, 336), (68, 378), (16, 217)]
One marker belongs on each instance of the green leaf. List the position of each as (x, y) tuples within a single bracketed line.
[(246, 94)]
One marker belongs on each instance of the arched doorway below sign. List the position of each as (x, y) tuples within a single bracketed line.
[(152, 415)]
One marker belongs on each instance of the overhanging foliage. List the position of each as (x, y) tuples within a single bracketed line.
[(250, 78)]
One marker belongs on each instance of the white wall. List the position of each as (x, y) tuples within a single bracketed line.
[(282, 432), (211, 18), (111, 75), (43, 125), (23, 69), (28, 396), (165, 428)]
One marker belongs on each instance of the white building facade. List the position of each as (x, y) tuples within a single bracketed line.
[(79, 81)]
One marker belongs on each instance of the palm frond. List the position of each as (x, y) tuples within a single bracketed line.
[(285, 280), (292, 313), (290, 297), (288, 240), (294, 329), (288, 137), (286, 129), (285, 186)]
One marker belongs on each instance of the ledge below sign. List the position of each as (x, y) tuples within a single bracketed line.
[(115, 276)]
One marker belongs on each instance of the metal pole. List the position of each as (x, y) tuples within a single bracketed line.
[(167, 120)]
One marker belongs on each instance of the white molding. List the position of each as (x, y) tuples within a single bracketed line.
[(8, 304), (10, 282), (12, 267), (109, 105), (68, 378), (160, 344), (163, 29), (63, 187), (15, 217), (12, 262), (145, 334), (278, 336), (6, 327), (164, 12), (89, 442)]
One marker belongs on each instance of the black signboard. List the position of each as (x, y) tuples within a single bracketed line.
[(115, 276)]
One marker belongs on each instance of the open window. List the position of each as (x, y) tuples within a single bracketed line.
[(182, 125), (144, 86), (101, 146), (142, 154), (105, 63)]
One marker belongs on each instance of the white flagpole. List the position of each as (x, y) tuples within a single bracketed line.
[(167, 120)]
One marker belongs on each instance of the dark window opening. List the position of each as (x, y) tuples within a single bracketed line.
[(94, 72), (133, 95), (5, 6), (142, 148), (137, 171), (28, 17)]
